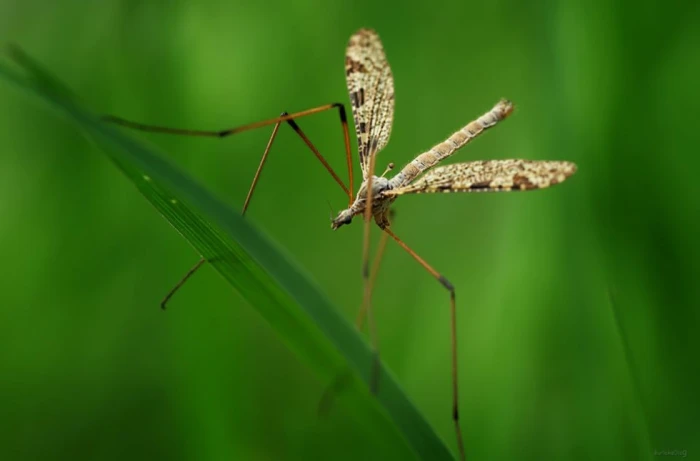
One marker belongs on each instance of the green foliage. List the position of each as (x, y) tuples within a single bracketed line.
[(252, 265), (577, 305)]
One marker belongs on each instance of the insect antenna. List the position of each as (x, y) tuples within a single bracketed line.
[(389, 167), (330, 207)]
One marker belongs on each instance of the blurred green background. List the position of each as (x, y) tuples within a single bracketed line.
[(578, 305)]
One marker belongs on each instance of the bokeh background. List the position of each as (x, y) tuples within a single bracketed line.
[(578, 305)]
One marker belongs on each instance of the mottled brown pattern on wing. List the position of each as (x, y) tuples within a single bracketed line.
[(371, 89), (443, 150), (490, 176)]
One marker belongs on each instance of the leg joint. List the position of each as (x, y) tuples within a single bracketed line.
[(446, 283), (294, 125), (341, 110)]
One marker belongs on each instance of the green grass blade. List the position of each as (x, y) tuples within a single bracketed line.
[(254, 266)]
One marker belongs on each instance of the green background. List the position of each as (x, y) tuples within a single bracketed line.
[(578, 306)]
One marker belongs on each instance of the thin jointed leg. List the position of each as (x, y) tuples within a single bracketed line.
[(199, 264), (309, 144), (359, 321), (249, 195), (367, 296), (189, 273), (343, 379), (284, 117), (453, 320)]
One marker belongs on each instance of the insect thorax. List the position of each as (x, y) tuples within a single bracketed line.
[(380, 203)]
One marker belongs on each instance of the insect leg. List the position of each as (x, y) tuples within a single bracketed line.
[(453, 320), (343, 378), (374, 271), (177, 286), (245, 208), (284, 117), (366, 298)]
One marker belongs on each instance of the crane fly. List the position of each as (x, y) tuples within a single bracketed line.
[(371, 89)]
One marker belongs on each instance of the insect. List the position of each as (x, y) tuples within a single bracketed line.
[(371, 88)]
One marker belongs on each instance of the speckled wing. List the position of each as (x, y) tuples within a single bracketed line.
[(490, 176), (371, 89)]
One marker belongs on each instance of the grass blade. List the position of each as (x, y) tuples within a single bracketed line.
[(252, 264)]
